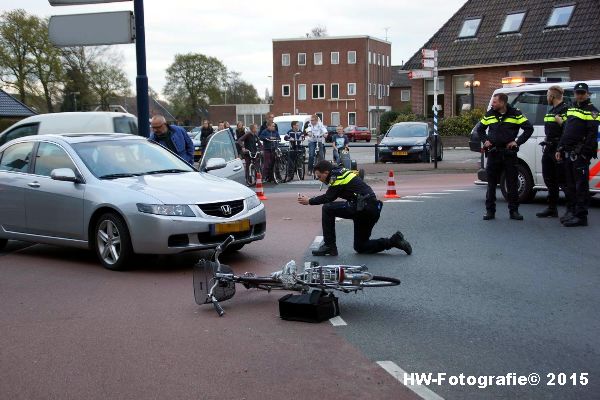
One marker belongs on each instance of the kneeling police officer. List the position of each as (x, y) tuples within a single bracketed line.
[(361, 206)]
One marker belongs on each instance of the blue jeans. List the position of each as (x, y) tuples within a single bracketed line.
[(311, 153)]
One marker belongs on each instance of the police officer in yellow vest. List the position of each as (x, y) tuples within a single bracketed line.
[(578, 145)]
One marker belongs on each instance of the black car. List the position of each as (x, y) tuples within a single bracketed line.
[(409, 141)]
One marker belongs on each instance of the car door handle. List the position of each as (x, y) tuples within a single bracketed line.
[(33, 184), (237, 168)]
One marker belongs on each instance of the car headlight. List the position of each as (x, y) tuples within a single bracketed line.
[(419, 143), (172, 210), (252, 202)]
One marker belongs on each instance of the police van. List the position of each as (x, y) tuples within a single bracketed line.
[(530, 98)]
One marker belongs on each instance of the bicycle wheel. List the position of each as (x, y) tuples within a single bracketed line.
[(279, 170), (300, 167), (380, 281), (251, 175)]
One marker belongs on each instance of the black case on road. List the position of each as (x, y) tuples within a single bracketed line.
[(316, 306)]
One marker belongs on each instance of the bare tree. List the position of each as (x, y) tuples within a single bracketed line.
[(318, 31)]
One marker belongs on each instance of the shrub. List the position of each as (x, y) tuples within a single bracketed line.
[(408, 117), (386, 120), (460, 125)]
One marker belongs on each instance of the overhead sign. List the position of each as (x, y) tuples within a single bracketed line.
[(420, 74), (92, 29), (428, 63), (426, 53), (81, 2)]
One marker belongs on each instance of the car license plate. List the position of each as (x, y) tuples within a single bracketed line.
[(230, 227), (400, 153), (198, 153)]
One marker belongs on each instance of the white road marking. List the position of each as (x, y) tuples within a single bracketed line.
[(432, 193), (403, 201), (337, 321), (456, 190), (317, 242), (420, 197), (423, 391)]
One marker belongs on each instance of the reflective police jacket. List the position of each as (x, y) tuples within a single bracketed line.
[(553, 129), (504, 128), (581, 129), (345, 184)]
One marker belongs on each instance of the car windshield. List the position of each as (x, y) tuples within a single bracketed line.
[(362, 129), (284, 127), (408, 130), (121, 158)]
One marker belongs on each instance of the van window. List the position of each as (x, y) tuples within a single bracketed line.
[(125, 125), (533, 104), (19, 131)]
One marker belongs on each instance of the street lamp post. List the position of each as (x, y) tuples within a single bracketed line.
[(294, 83), (272, 94), (472, 85)]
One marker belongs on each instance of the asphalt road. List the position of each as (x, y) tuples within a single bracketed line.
[(70, 329), (481, 297)]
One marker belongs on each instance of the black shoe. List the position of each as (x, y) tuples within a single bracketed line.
[(567, 216), (516, 215), (576, 221), (548, 212), (489, 215), (397, 240), (325, 250)]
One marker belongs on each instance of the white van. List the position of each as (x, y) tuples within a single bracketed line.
[(72, 122), (531, 100), (284, 124)]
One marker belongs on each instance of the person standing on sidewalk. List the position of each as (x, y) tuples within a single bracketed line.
[(360, 205), (553, 170), (578, 145)]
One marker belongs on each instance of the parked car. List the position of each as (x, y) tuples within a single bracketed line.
[(74, 122), (409, 141), (284, 124), (119, 195), (331, 131), (355, 133), (194, 131), (221, 145)]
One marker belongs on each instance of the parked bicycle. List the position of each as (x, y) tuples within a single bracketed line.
[(280, 166), (296, 160), (255, 165), (215, 282)]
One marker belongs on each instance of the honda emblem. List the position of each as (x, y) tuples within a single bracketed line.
[(226, 209)]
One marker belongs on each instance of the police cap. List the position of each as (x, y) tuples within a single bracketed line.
[(581, 87)]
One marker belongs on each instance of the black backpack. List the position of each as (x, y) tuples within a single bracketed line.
[(316, 306)]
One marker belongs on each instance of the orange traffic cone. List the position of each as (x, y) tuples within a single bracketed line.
[(391, 187), (260, 193)]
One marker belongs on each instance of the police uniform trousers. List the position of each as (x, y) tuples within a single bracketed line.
[(364, 221), (497, 162), (577, 190), (553, 173)]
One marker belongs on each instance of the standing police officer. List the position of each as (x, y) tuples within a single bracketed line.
[(552, 170), (361, 206), (578, 145), (501, 144)]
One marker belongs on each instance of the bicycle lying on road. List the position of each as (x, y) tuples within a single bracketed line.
[(215, 282)]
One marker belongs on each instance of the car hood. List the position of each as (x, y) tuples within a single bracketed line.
[(185, 188), (405, 141)]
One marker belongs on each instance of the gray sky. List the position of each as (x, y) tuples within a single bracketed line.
[(239, 32)]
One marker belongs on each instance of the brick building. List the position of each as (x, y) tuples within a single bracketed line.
[(345, 80), (487, 41), (400, 89)]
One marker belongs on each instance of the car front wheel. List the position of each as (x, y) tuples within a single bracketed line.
[(524, 182), (112, 242)]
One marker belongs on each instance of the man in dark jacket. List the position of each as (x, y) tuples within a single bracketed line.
[(205, 133), (173, 137), (578, 145), (360, 205), (503, 123)]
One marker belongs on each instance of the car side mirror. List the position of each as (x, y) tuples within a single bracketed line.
[(215, 163), (64, 174)]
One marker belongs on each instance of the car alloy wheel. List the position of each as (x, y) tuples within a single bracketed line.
[(109, 242)]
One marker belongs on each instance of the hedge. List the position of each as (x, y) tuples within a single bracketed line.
[(460, 125)]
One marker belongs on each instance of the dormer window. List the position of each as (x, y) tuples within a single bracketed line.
[(469, 28), (513, 22), (561, 16)]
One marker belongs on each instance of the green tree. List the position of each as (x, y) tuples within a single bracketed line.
[(238, 91), (108, 81), (46, 66), (16, 34), (192, 81)]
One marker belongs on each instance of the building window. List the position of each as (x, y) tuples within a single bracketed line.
[(285, 60), (285, 90), (513, 22), (318, 58), (462, 98), (352, 57), (335, 91), (351, 118), (378, 59), (302, 91), (379, 91), (526, 73), (405, 95), (428, 104), (469, 28), (335, 57), (320, 116), (388, 61), (561, 16), (387, 91), (301, 58), (286, 114), (352, 89), (335, 118), (563, 73), (369, 57), (318, 91), (369, 88)]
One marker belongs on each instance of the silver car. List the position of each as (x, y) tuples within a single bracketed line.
[(119, 195)]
